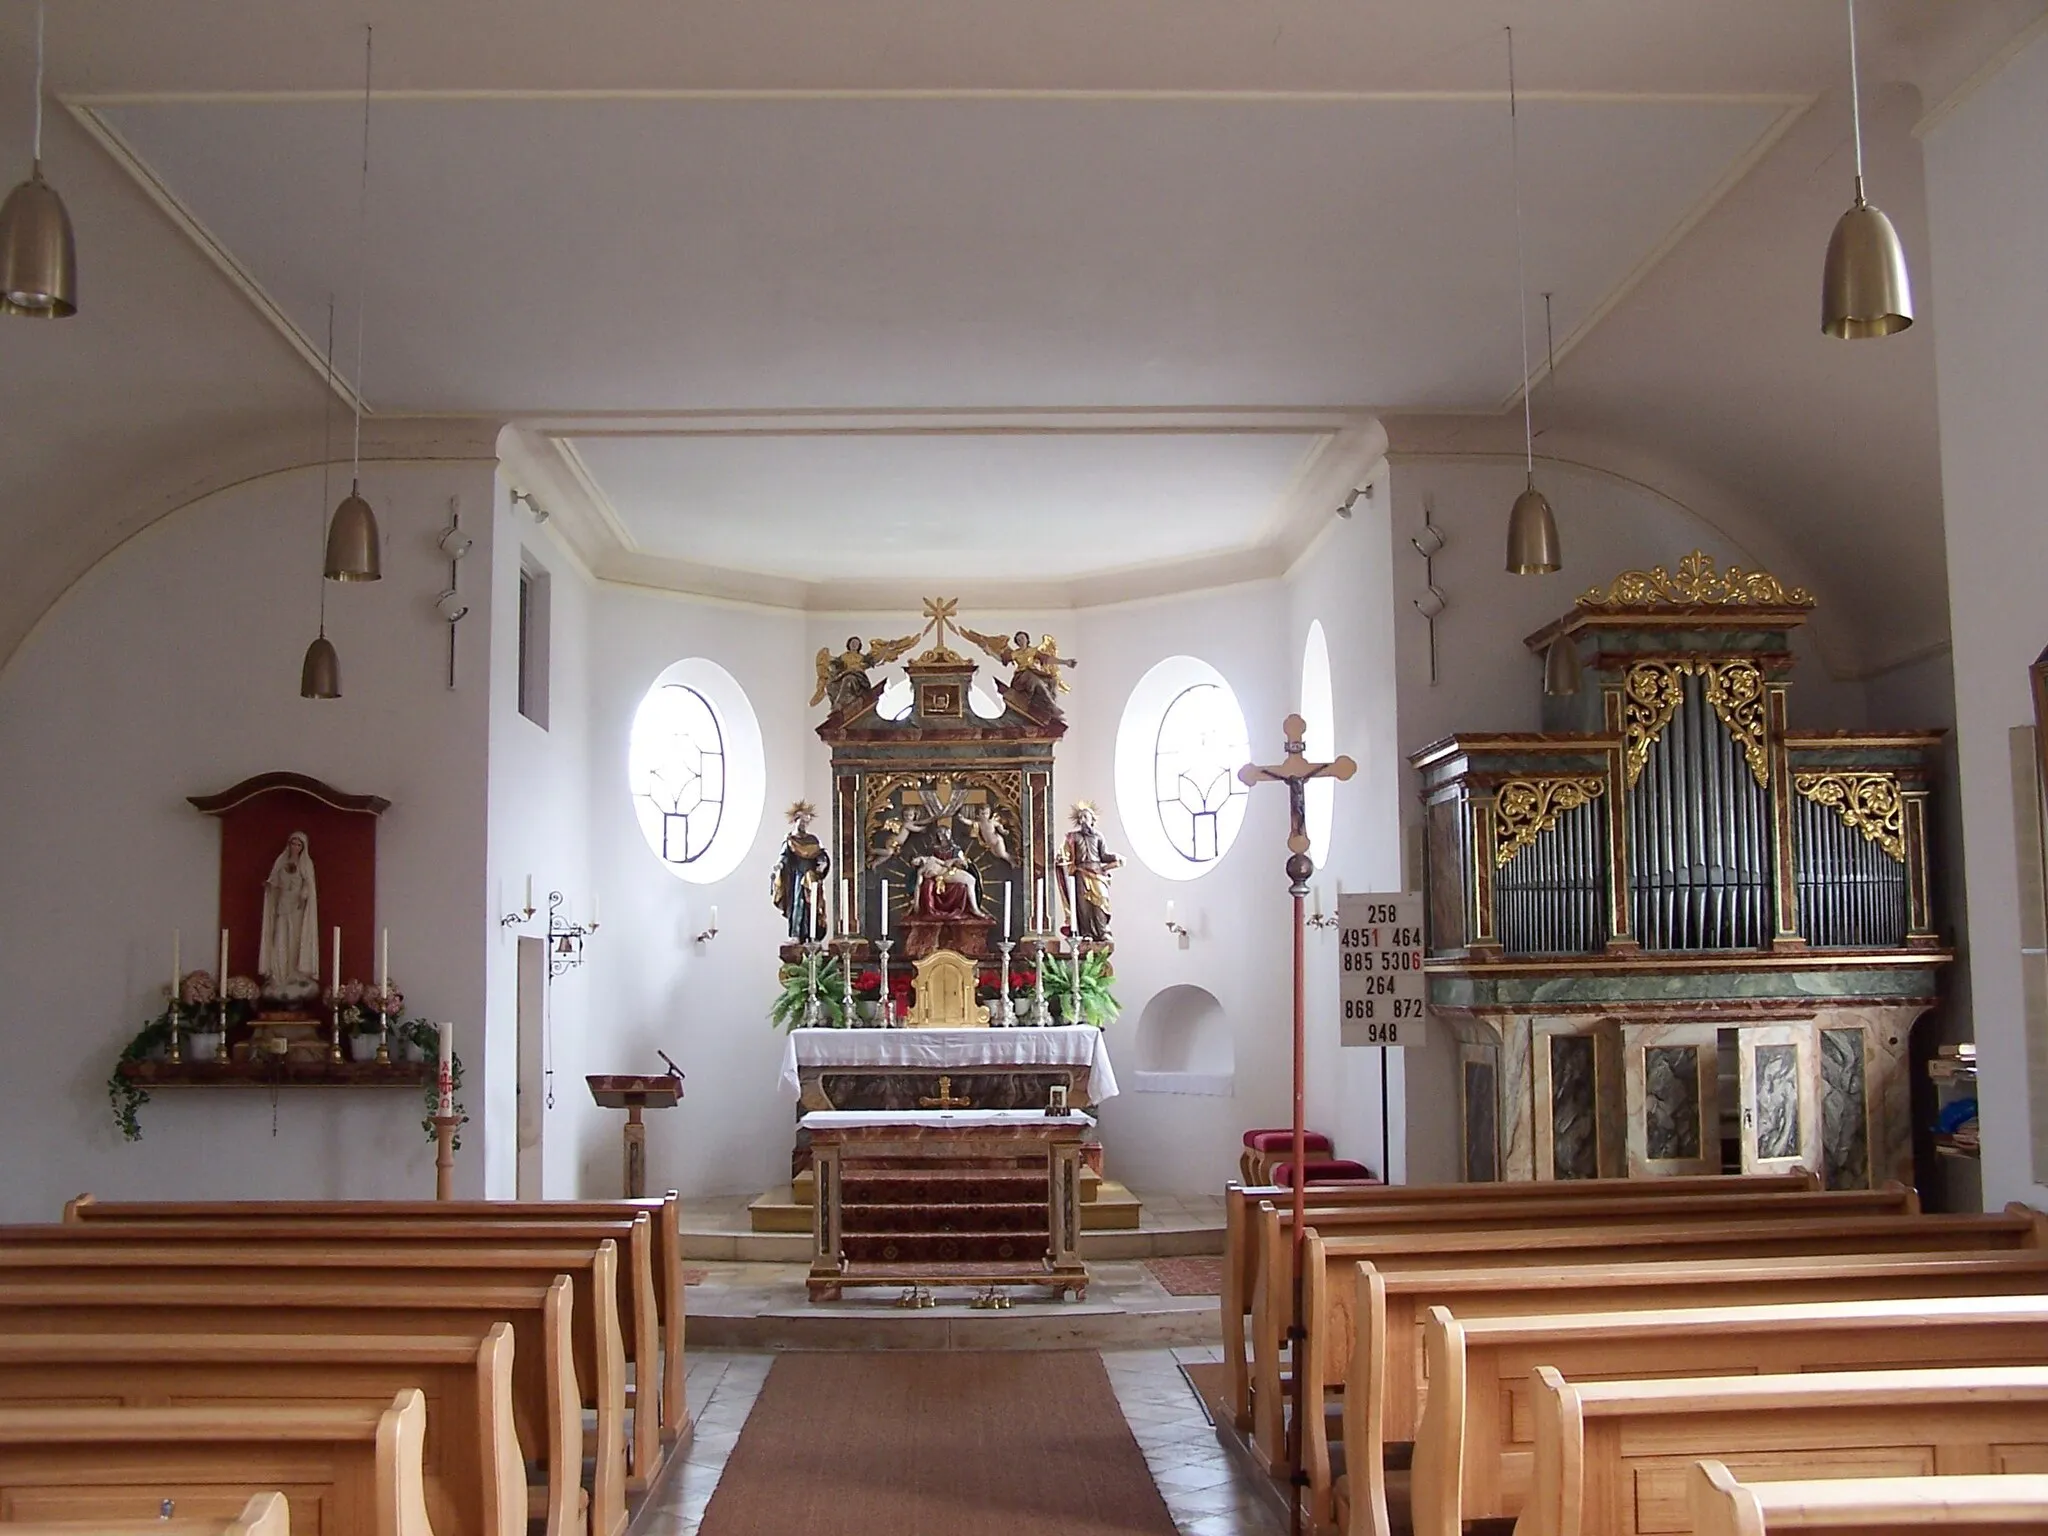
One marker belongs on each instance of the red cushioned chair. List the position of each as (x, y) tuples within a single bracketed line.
[(1329, 1170), (1264, 1148)]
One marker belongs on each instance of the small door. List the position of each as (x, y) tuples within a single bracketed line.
[(1673, 1096), (1780, 1078), (532, 1002)]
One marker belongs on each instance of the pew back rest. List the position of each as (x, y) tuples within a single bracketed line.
[(477, 1475), (359, 1466), (1612, 1456), (1474, 1445), (1723, 1505)]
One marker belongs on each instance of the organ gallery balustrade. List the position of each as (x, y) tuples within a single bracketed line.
[(1668, 855)]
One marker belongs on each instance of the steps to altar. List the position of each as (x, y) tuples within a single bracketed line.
[(763, 1306), (776, 1226)]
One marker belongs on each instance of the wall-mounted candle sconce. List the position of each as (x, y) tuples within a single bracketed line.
[(1317, 919), (711, 932), (520, 915), (565, 939), (1178, 931)]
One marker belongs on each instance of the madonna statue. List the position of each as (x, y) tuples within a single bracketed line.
[(288, 958)]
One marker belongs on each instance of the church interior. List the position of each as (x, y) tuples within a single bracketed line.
[(1150, 767)]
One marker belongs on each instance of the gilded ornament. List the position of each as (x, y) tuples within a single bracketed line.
[(1868, 802), (1652, 692), (1736, 690), (1697, 584), (1525, 809)]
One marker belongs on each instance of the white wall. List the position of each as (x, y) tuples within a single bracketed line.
[(172, 669), (1988, 197), (540, 819)]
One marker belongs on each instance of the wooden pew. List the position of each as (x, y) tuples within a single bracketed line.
[(1606, 1237), (1866, 1506), (475, 1476), (266, 1514), (1612, 1456), (417, 1273), (1242, 1254), (546, 1407), (665, 1213), (1475, 1446), (638, 1307), (348, 1469)]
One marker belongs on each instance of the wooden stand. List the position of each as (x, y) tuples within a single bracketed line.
[(444, 1155), (634, 1093)]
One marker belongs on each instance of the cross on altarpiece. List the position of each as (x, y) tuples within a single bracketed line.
[(1295, 771)]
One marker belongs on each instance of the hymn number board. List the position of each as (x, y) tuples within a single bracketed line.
[(1382, 995)]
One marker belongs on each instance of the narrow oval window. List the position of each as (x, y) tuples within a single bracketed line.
[(1179, 747), (695, 768)]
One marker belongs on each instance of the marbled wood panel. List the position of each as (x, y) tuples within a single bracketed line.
[(1671, 1101), (1844, 1138), (1574, 1148), (1776, 1093), (1445, 851), (1517, 1098), (1887, 1084), (1006, 1089), (1482, 1123)]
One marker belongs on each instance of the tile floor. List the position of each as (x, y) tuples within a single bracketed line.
[(1207, 1490)]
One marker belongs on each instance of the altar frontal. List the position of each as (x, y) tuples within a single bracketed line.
[(947, 939)]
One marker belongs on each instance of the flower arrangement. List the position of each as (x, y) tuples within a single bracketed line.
[(1098, 1004), (792, 1001), (364, 1009)]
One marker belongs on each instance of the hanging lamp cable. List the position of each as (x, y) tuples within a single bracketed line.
[(362, 268), (36, 153), (1855, 102), (326, 457), (1521, 268)]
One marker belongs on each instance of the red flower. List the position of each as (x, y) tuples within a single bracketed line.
[(868, 981), (989, 979)]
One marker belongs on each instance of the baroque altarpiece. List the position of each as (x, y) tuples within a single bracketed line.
[(1671, 933)]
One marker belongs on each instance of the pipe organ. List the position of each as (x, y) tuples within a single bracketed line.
[(1673, 935)]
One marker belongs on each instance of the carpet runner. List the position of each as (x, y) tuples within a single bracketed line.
[(881, 1443)]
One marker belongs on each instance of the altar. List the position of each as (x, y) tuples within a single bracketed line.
[(909, 1069)]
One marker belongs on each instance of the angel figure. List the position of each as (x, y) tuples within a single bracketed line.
[(987, 829), (1035, 683), (844, 678), (888, 839)]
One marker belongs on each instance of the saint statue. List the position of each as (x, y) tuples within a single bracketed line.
[(288, 959), (946, 883), (844, 678), (1084, 866), (1035, 683), (798, 885)]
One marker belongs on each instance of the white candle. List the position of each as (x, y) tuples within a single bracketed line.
[(714, 919), (1169, 913), (845, 908), (177, 975), (885, 909), (444, 1104), (1044, 904), (223, 962), (529, 893), (595, 907), (384, 964), (1006, 909), (337, 958)]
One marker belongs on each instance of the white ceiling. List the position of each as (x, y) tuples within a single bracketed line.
[(1255, 225), (930, 506)]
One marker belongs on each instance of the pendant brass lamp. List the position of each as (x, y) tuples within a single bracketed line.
[(1865, 290), (1533, 547), (354, 550), (320, 672), (38, 256)]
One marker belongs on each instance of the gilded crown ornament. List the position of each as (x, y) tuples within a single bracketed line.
[(1696, 584)]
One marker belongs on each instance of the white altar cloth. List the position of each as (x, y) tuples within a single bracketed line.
[(972, 1119), (1068, 1045)]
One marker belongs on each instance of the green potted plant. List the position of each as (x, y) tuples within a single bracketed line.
[(363, 1014), (787, 1011), (1098, 1004), (420, 1040)]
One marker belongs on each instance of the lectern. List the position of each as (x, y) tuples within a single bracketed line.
[(634, 1092)]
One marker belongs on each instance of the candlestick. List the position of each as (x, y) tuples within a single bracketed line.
[(1039, 1017), (176, 1053), (888, 997), (814, 1010), (220, 1051), (444, 1102), (1004, 1016)]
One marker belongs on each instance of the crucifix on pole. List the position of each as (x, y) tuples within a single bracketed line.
[(1295, 771)]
